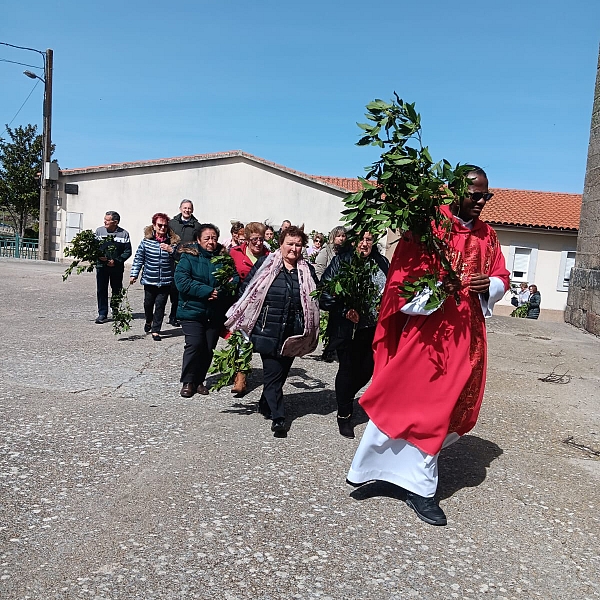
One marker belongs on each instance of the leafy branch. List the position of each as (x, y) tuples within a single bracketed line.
[(225, 273), (234, 358), (122, 314), (85, 247), (521, 311), (404, 189), (353, 284)]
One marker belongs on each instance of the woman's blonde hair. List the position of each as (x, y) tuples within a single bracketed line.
[(254, 228)]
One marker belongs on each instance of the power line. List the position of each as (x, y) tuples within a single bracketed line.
[(14, 62), (23, 48), (22, 105)]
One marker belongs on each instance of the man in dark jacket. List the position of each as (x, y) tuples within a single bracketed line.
[(350, 331), (187, 227), (185, 224), (116, 247)]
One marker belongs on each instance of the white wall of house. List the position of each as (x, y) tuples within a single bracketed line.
[(542, 258), (221, 190)]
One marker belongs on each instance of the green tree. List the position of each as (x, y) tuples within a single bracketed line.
[(20, 168)]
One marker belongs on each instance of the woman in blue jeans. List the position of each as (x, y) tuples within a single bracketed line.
[(201, 308)]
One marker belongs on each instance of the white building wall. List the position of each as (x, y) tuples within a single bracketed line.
[(223, 190), (545, 264)]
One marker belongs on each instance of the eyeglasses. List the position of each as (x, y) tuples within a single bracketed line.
[(477, 196), (257, 240)]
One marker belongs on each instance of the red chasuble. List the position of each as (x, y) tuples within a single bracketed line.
[(430, 370)]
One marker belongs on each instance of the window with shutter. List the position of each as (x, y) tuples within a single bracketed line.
[(520, 270)]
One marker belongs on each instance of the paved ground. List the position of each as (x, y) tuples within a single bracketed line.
[(113, 486)]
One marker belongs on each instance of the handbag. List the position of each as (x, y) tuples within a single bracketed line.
[(514, 301)]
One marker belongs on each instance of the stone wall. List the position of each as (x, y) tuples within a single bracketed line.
[(583, 303)]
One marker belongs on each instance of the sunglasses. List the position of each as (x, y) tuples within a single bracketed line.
[(161, 225), (477, 196), (256, 240)]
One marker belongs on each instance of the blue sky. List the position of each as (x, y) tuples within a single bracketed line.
[(507, 85)]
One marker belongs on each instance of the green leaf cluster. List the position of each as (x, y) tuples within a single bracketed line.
[(86, 247), (521, 311), (404, 189), (121, 311), (323, 325), (236, 357), (353, 284), (410, 289), (225, 273), (273, 244)]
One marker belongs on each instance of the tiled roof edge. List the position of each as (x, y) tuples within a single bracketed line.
[(200, 158)]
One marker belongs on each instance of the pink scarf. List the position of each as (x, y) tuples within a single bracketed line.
[(244, 313)]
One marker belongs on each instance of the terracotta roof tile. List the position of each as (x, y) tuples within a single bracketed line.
[(551, 210)]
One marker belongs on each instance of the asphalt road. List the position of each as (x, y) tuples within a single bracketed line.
[(113, 486)]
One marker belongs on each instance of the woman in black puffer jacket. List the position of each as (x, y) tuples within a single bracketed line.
[(351, 334), (280, 317)]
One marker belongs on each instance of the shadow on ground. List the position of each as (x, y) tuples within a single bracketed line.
[(462, 465), (314, 399)]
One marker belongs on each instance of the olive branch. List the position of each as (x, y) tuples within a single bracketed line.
[(234, 358), (225, 273), (404, 189)]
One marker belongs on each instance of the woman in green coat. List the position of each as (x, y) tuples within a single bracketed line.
[(201, 308)]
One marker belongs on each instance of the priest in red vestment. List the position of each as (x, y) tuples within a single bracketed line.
[(430, 366)]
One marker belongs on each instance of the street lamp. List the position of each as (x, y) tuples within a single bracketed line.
[(47, 177)]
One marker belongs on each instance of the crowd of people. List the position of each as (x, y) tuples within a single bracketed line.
[(426, 366)]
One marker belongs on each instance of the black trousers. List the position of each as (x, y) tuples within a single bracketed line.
[(275, 372), (355, 357), (104, 276), (174, 296), (200, 342), (155, 300)]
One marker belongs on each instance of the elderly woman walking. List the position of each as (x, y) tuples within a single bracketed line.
[(337, 242), (351, 329), (279, 315), (154, 257), (245, 257), (202, 307)]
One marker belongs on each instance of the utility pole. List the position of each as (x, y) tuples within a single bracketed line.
[(47, 182)]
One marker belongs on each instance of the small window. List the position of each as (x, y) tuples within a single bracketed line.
[(520, 269), (74, 225), (567, 262)]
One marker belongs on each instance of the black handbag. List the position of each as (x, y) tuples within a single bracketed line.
[(514, 301)]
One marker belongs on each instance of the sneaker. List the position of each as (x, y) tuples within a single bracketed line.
[(101, 320), (174, 323), (147, 327), (427, 509)]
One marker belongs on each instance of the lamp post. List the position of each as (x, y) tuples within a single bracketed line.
[(47, 178)]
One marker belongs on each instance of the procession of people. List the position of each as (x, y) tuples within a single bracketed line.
[(427, 366)]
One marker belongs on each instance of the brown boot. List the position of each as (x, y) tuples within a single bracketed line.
[(239, 384)]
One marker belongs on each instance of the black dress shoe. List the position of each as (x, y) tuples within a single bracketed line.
[(101, 320), (187, 390), (202, 389), (278, 425), (147, 327), (174, 323), (345, 427), (427, 509), (156, 337)]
